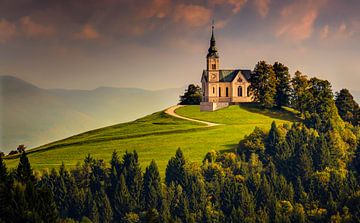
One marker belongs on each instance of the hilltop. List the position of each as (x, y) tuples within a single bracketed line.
[(157, 136)]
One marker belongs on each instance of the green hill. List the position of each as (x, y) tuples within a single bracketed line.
[(157, 136), (34, 116)]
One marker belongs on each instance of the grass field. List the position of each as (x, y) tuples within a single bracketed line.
[(158, 135)]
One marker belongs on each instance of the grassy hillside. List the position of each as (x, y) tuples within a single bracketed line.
[(34, 116), (157, 136)]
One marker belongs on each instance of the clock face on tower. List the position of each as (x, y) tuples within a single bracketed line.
[(213, 77)]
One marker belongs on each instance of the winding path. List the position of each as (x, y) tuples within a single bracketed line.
[(171, 111)]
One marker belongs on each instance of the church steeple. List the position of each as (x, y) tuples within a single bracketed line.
[(212, 51)]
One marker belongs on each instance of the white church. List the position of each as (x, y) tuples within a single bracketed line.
[(220, 88)]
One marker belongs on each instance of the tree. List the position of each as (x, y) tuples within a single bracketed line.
[(21, 148), (192, 96), (175, 170), (283, 89), (24, 172), (300, 95), (347, 107), (263, 84), (273, 140), (133, 177), (151, 192)]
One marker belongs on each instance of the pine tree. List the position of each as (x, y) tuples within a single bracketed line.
[(120, 200), (175, 170), (133, 178), (283, 89), (151, 192), (24, 172), (273, 141)]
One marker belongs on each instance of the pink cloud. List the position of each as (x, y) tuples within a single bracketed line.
[(297, 20), (156, 8), (262, 7), (33, 29), (192, 15), (236, 4), (7, 30), (87, 33)]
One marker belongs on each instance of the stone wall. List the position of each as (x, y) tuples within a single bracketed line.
[(212, 106)]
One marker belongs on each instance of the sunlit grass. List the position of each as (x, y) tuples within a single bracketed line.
[(157, 136)]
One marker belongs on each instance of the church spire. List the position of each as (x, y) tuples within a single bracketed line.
[(212, 52)]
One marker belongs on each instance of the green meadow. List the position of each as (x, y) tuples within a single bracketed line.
[(157, 136)]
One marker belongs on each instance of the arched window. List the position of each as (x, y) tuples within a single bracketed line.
[(227, 92), (213, 66), (240, 94), (213, 90), (248, 91), (219, 91)]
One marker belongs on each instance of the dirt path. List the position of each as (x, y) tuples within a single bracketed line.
[(171, 111)]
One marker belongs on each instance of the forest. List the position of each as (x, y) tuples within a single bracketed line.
[(308, 171)]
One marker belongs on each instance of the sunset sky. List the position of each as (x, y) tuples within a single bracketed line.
[(156, 44)]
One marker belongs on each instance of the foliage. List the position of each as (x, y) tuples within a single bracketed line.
[(263, 84), (192, 95), (283, 87), (347, 107)]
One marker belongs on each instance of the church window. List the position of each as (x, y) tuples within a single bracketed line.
[(248, 91), (227, 92), (219, 91), (213, 90), (240, 94), (213, 66)]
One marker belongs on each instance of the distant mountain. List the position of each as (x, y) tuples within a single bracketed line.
[(356, 95), (33, 116)]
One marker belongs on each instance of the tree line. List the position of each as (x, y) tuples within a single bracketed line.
[(273, 86)]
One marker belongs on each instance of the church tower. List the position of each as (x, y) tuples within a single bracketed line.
[(212, 59)]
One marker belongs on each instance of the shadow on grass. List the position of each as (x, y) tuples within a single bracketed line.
[(230, 148), (286, 114)]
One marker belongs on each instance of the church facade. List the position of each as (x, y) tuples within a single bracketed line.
[(220, 88)]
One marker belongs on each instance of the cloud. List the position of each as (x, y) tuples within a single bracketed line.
[(87, 33), (262, 7), (236, 4), (297, 20), (33, 29), (7, 30), (324, 32), (156, 9), (192, 15)]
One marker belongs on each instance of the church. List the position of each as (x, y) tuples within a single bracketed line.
[(220, 88)]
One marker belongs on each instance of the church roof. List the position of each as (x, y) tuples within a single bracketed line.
[(229, 75)]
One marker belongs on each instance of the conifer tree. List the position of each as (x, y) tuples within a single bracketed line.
[(133, 177), (175, 170), (151, 192), (24, 172)]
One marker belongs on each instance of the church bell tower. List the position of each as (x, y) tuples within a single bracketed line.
[(212, 59)]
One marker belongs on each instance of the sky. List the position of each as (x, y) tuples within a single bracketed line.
[(157, 44)]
